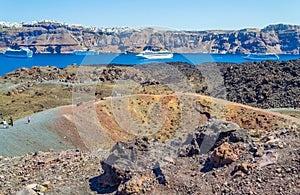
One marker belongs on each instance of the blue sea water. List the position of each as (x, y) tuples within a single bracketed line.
[(62, 60)]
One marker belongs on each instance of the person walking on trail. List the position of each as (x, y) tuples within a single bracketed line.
[(4, 124), (11, 121), (28, 119)]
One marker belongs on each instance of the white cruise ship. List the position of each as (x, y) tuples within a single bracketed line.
[(149, 53), (18, 53)]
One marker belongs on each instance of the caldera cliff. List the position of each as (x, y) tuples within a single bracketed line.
[(54, 37)]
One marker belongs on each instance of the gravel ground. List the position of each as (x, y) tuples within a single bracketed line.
[(269, 166)]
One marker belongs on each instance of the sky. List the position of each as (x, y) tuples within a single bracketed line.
[(169, 14)]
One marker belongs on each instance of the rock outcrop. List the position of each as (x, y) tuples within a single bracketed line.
[(228, 168)]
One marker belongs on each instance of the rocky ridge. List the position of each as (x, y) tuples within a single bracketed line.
[(54, 37), (269, 84)]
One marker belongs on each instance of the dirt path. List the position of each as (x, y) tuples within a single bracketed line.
[(23, 138)]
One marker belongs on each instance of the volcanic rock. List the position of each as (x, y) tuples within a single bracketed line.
[(224, 154), (211, 134)]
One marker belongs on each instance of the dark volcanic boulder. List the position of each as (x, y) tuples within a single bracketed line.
[(131, 162), (211, 134)]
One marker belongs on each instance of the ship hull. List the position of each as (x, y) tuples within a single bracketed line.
[(157, 57), (21, 53)]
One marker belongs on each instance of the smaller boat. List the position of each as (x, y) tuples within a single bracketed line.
[(149, 53), (84, 52), (18, 53), (262, 56)]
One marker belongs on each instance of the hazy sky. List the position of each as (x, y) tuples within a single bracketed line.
[(174, 14)]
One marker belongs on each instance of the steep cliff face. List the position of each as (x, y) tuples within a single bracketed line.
[(56, 38), (49, 37), (273, 38)]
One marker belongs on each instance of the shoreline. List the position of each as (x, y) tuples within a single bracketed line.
[(64, 60)]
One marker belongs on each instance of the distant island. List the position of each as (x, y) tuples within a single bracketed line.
[(56, 37)]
